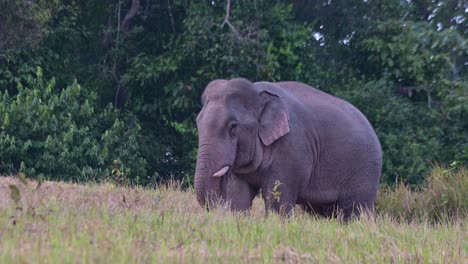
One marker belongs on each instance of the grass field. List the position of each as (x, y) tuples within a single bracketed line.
[(71, 223)]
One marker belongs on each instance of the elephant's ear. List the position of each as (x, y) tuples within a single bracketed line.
[(274, 118)]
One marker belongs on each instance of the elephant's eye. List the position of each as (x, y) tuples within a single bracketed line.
[(233, 129)]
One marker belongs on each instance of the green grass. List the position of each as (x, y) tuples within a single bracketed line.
[(70, 223)]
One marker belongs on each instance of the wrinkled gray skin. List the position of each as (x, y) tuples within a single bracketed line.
[(294, 143)]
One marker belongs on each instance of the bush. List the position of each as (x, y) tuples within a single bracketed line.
[(59, 134), (444, 197)]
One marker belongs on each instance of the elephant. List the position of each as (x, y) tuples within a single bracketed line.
[(289, 142)]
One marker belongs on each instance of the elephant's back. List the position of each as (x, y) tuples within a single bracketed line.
[(338, 119), (325, 108), (321, 109), (301, 89), (312, 97)]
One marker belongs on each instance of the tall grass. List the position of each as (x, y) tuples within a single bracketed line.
[(53, 222), (444, 198)]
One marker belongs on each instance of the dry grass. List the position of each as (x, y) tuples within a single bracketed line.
[(70, 223), (444, 198)]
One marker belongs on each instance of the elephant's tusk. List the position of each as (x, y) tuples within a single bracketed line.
[(221, 172)]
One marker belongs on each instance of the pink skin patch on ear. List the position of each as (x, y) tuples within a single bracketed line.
[(221, 172)]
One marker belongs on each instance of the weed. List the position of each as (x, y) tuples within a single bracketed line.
[(276, 194)]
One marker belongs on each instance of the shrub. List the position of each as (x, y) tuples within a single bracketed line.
[(444, 197), (59, 134)]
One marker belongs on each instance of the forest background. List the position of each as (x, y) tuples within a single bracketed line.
[(93, 90)]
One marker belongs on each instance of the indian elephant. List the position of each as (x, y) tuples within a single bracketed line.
[(289, 141)]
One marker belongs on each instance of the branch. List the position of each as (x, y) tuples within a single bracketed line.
[(171, 16), (114, 66), (147, 7), (107, 33), (134, 10), (118, 27), (226, 19)]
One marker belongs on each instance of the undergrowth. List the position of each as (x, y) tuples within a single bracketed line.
[(443, 198)]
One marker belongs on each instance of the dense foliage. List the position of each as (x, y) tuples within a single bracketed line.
[(60, 133), (142, 66)]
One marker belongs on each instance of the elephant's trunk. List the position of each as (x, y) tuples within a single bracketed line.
[(206, 186), (213, 162), (200, 188)]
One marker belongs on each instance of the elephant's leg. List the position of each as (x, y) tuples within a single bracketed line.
[(327, 211), (239, 193), (355, 204), (313, 210)]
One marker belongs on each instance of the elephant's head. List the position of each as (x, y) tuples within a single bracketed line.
[(237, 121)]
